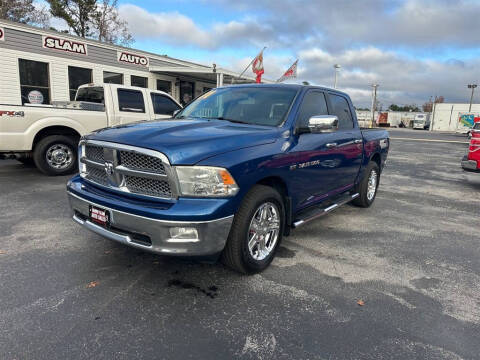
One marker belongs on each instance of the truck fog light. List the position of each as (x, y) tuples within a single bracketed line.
[(183, 235)]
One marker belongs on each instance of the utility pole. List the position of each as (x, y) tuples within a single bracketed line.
[(337, 69), (471, 86), (374, 103)]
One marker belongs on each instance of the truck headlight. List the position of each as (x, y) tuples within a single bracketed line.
[(205, 181)]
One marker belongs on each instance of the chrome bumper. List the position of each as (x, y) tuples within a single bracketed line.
[(154, 235)]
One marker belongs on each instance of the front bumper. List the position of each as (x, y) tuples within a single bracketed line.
[(153, 235), (470, 165)]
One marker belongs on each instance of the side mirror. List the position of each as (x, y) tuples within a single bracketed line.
[(176, 112), (323, 123)]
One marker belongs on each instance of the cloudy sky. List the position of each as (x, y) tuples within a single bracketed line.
[(414, 49)]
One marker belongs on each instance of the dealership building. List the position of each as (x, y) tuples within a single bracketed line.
[(54, 64)]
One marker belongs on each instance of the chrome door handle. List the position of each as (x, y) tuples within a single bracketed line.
[(358, 141), (331, 145)]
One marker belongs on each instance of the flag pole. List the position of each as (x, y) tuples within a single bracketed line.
[(243, 72)]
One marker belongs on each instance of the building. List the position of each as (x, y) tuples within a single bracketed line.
[(34, 60), (445, 117)]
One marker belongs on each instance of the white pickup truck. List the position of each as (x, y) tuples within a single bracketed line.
[(48, 134)]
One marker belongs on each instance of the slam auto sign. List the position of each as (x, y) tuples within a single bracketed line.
[(65, 45)]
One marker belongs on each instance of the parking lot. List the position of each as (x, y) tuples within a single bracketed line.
[(413, 258)]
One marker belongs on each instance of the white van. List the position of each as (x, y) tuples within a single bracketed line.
[(48, 134)]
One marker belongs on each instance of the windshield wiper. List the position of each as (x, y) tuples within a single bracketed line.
[(222, 118)]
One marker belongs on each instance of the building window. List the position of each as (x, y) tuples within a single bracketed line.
[(78, 76), (130, 101), (163, 105), (34, 84), (165, 86), (139, 81), (187, 91), (112, 78)]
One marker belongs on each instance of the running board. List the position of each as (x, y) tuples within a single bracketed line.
[(319, 212)]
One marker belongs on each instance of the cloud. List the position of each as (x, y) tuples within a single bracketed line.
[(373, 40)]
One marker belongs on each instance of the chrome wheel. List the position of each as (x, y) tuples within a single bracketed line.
[(372, 185), (59, 156), (264, 231)]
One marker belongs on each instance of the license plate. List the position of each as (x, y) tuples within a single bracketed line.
[(99, 216)]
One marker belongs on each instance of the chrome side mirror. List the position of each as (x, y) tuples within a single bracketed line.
[(323, 123)]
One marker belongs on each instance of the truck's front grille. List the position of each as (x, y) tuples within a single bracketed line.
[(126, 168), (94, 153), (148, 186), (97, 175), (141, 162)]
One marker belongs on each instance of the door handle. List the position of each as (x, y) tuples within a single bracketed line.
[(331, 145), (358, 141)]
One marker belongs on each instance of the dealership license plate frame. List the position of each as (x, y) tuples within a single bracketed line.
[(99, 216)]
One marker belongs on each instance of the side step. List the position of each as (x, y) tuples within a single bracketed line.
[(317, 212)]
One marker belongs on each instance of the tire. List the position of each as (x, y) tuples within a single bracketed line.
[(365, 199), (237, 254), (56, 155)]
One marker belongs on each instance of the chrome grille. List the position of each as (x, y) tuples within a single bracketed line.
[(142, 162), (127, 168), (146, 186), (94, 153), (97, 175)]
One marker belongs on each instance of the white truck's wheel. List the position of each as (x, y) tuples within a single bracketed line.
[(56, 155)]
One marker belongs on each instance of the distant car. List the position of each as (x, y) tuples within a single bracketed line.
[(471, 161)]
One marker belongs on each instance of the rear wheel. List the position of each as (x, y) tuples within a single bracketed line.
[(367, 189), (256, 231), (56, 155)]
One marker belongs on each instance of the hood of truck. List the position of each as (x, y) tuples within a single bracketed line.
[(186, 142)]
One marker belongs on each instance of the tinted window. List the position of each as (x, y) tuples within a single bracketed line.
[(91, 94), (112, 78), (78, 76), (139, 81), (165, 86), (341, 109), (34, 84), (162, 105), (313, 104), (130, 100)]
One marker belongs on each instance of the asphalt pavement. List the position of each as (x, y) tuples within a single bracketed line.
[(412, 260)]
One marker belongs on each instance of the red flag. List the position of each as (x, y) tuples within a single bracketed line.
[(290, 73), (257, 67)]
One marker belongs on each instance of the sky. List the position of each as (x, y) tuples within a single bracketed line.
[(414, 49)]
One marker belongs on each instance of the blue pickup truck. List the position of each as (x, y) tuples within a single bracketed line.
[(230, 174)]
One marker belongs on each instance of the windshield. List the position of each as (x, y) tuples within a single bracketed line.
[(91, 94), (250, 105)]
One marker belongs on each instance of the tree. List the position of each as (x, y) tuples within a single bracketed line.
[(428, 106), (109, 27), (24, 11), (76, 13), (405, 108), (89, 19)]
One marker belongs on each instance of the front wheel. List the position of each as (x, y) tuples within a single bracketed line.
[(56, 155), (367, 189), (256, 231)]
